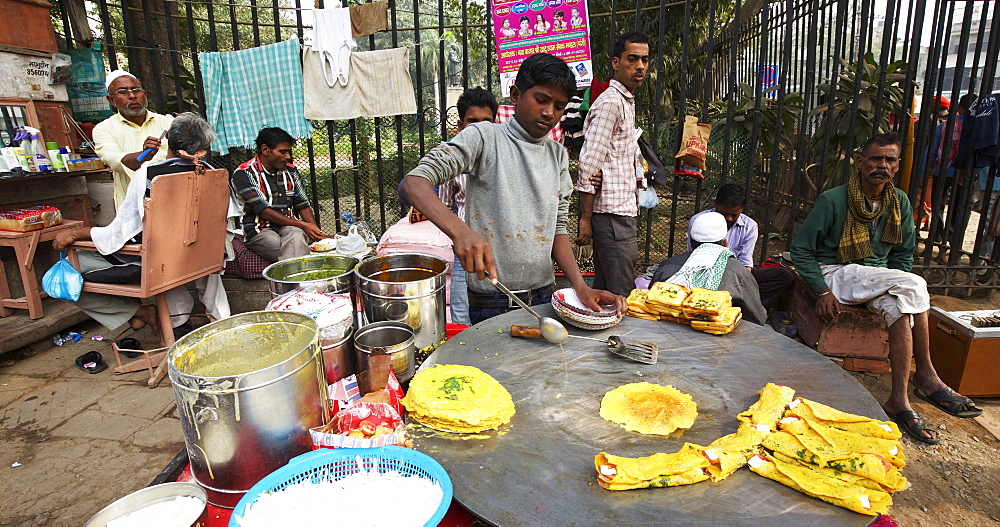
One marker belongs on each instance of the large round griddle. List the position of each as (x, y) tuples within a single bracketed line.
[(539, 469)]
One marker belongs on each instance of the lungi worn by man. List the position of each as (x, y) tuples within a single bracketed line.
[(856, 247)]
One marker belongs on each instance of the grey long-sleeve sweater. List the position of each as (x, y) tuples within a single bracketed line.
[(517, 196)]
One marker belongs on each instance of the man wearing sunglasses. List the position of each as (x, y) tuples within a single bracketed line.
[(121, 139)]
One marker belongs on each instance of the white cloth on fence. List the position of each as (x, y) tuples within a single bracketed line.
[(380, 86), (333, 41), (891, 293)]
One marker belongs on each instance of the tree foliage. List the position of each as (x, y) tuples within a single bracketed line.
[(841, 127)]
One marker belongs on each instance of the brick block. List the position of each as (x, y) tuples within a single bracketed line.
[(867, 365), (857, 333)]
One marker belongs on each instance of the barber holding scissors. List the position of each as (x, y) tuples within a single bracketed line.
[(122, 139)]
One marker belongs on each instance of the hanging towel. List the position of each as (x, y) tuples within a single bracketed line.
[(323, 102), (384, 82), (380, 86), (367, 19), (249, 89), (332, 39)]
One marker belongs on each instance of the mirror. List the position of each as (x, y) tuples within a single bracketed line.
[(11, 116)]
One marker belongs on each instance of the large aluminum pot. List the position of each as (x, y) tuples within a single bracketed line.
[(326, 273), (248, 388), (382, 346), (407, 288)]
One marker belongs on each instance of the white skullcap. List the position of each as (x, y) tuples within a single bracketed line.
[(114, 75), (709, 227)]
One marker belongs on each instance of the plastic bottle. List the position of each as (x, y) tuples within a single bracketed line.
[(53, 153), (42, 162), (65, 155), (27, 160)]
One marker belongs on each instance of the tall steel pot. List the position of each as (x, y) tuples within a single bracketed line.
[(407, 288), (248, 388)]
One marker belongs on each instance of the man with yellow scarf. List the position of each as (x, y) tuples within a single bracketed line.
[(856, 247)]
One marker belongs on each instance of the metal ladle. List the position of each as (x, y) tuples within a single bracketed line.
[(552, 330)]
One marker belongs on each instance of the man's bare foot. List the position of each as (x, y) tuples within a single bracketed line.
[(146, 315)]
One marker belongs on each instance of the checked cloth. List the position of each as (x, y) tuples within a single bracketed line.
[(251, 89), (704, 268)]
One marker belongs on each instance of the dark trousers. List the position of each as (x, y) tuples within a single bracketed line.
[(772, 282), (615, 252), (479, 313)]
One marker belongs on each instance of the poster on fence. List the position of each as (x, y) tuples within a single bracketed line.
[(522, 28)]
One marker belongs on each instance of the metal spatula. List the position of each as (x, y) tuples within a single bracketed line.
[(630, 348)]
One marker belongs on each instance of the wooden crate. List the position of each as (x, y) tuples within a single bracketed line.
[(965, 357)]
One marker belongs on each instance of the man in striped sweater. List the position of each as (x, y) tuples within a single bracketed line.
[(278, 222)]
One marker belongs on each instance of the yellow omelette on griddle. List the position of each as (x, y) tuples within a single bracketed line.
[(458, 398), (649, 408)]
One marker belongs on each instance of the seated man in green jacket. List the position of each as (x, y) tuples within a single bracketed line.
[(856, 247)]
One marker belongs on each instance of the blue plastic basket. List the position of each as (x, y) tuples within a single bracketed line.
[(331, 464)]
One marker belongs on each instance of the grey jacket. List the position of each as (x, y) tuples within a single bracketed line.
[(517, 196)]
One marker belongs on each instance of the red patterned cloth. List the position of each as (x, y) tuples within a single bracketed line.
[(884, 520), (247, 263)]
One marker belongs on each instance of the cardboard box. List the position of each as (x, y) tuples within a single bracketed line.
[(90, 163), (965, 356)]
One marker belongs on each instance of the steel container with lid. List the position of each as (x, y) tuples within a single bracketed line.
[(248, 388)]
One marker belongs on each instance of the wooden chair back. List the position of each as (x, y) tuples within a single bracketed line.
[(183, 233)]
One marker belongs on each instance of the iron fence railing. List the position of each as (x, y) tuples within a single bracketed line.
[(755, 68)]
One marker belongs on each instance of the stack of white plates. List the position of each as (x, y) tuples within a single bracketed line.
[(569, 308)]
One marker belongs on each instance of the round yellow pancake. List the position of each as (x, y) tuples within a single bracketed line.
[(649, 408), (458, 398)]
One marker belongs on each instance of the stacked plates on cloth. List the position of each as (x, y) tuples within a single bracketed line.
[(570, 308)]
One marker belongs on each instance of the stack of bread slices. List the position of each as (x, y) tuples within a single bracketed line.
[(702, 309)]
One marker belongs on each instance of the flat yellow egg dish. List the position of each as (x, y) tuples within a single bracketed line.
[(458, 398), (649, 408)]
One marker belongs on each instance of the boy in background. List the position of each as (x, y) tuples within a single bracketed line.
[(475, 105), (517, 204)]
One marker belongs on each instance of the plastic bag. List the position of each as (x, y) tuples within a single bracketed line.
[(694, 142), (60, 68), (352, 243), (62, 280), (648, 198)]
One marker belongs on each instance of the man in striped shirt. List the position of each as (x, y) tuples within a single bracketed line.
[(278, 222), (608, 215)]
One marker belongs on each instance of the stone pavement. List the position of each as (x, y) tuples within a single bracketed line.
[(81, 440)]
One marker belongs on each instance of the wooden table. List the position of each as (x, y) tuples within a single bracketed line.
[(25, 244)]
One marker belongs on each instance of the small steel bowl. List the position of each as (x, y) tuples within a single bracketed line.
[(148, 496)]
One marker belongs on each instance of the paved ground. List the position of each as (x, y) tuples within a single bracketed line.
[(81, 440)]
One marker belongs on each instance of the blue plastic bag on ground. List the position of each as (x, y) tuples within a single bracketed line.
[(62, 280)]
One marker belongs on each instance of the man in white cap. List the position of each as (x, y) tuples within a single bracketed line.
[(122, 138), (710, 265)]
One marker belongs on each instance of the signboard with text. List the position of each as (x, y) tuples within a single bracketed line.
[(522, 28)]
